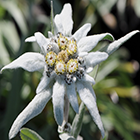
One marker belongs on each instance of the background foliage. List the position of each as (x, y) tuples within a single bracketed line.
[(117, 84)]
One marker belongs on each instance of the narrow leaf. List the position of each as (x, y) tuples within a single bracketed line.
[(16, 13), (109, 37), (28, 134)]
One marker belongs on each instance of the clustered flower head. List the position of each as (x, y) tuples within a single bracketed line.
[(66, 60), (62, 58)]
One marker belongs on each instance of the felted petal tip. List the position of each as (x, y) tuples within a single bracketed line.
[(34, 108), (63, 21), (82, 32), (67, 19), (30, 39), (50, 34), (89, 69), (42, 41), (88, 78), (1, 70), (11, 135)]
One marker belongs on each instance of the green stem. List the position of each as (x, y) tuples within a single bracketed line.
[(66, 109), (97, 69), (52, 16), (77, 122)]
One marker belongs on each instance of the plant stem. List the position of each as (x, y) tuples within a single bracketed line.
[(66, 109), (77, 122), (52, 15), (97, 69)]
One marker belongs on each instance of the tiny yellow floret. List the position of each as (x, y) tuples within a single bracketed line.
[(72, 65), (62, 42), (71, 47), (60, 67), (51, 58)]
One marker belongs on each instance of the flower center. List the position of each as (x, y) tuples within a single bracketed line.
[(62, 58)]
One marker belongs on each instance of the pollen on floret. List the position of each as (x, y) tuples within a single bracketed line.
[(72, 65), (60, 67), (62, 42), (51, 58), (71, 47), (63, 56)]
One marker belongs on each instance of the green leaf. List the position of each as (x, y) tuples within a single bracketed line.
[(57, 5), (77, 122), (109, 37), (103, 7), (4, 57), (137, 7), (116, 44), (90, 17), (14, 99), (107, 69), (104, 138), (124, 91), (28, 134), (14, 10), (8, 30), (117, 117)]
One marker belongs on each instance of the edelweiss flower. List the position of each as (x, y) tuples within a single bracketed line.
[(66, 63)]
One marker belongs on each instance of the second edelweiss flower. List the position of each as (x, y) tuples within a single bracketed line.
[(66, 63)]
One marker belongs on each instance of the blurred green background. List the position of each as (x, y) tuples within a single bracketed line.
[(117, 83)]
